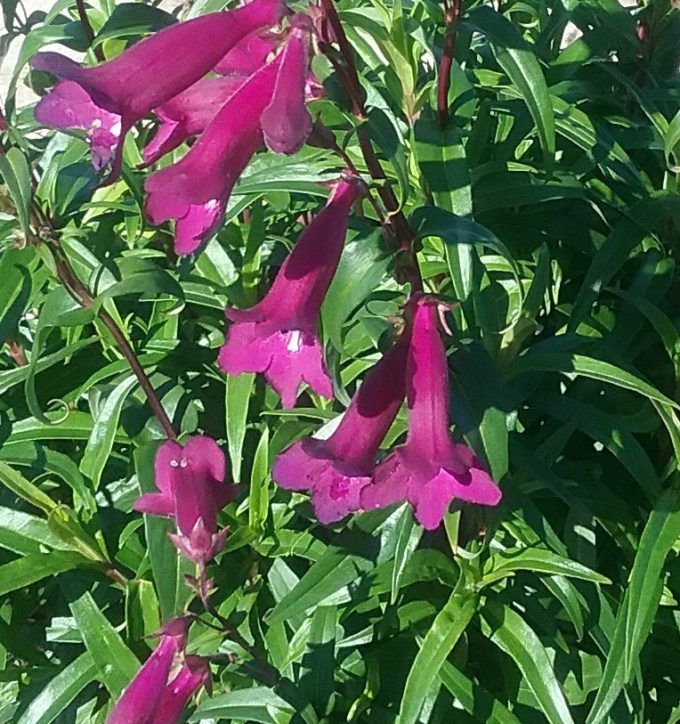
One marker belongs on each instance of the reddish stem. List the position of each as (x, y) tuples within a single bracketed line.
[(349, 78), (452, 13)]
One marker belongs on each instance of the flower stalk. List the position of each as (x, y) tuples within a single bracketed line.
[(453, 9)]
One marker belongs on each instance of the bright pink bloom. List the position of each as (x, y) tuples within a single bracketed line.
[(140, 700), (195, 190), (278, 335), (192, 492), (429, 470), (189, 113), (286, 122), (336, 469), (194, 673), (115, 95)]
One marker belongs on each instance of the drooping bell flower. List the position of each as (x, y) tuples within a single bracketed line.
[(108, 99), (338, 468), (190, 479), (140, 700), (195, 190), (193, 674), (278, 336), (429, 470), (286, 122)]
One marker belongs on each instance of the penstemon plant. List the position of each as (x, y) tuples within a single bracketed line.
[(340, 368)]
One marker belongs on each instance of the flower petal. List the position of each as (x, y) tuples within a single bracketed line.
[(286, 122)]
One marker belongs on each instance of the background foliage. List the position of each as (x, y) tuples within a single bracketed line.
[(549, 210)]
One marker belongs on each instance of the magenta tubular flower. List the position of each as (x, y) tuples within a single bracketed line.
[(195, 190), (278, 335), (189, 113), (115, 95), (338, 468), (429, 470), (141, 698), (190, 479), (286, 122), (194, 673)]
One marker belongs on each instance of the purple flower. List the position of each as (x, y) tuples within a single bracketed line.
[(194, 673), (195, 190), (190, 479), (113, 96), (429, 470), (140, 700), (286, 122), (336, 469), (278, 335)]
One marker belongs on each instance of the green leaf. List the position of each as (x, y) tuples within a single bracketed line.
[(318, 662), (362, 266), (256, 704), (540, 561), (521, 66), (595, 369), (258, 494), (24, 533), (19, 275), (474, 698), (323, 584), (509, 631), (626, 235), (36, 566), (116, 664), (132, 19), (408, 535), (16, 175), (448, 626), (641, 601), (442, 160), (671, 143), (60, 691), (100, 442), (23, 488), (238, 389)]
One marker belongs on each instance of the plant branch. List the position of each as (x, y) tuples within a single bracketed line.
[(81, 294), (88, 32), (228, 628), (404, 239), (452, 11)]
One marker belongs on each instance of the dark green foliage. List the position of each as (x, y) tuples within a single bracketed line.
[(548, 215)]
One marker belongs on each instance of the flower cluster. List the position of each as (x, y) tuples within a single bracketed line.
[(226, 90), (429, 470), (244, 86)]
